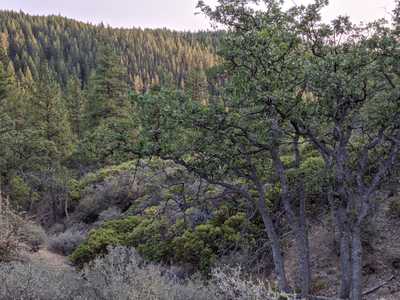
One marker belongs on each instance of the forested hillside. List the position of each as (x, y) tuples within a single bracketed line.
[(257, 163), (70, 49)]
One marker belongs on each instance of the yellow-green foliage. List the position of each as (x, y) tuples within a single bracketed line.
[(156, 239), (74, 189), (105, 173), (21, 192), (112, 233)]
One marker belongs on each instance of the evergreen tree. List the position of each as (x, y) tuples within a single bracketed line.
[(49, 118), (109, 119), (70, 49), (75, 102), (196, 86), (108, 89)]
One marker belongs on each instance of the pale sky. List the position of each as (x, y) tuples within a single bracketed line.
[(173, 14)]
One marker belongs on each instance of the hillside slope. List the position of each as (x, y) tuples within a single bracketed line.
[(70, 48)]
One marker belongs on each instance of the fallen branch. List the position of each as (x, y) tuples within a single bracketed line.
[(371, 290)]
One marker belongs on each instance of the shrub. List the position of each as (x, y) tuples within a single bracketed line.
[(122, 274), (112, 233), (66, 242), (110, 214), (34, 281), (157, 240), (10, 224), (33, 235), (231, 283), (20, 192)]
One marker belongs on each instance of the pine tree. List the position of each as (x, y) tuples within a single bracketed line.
[(109, 124), (108, 89), (49, 118), (75, 103), (196, 86)]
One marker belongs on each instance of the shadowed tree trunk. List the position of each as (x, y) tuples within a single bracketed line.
[(297, 223), (275, 245), (345, 261), (272, 235), (356, 261)]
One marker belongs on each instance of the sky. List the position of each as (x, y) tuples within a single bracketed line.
[(173, 14)]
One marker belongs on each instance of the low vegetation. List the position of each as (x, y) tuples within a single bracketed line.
[(122, 274)]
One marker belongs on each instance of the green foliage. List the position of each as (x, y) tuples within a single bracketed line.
[(49, 119), (108, 115), (110, 143), (72, 49), (156, 239), (21, 193), (75, 103)]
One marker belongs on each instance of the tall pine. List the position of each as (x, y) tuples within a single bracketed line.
[(49, 118), (109, 120), (75, 102), (108, 88)]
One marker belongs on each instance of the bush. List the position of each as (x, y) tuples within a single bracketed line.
[(122, 274), (34, 281), (231, 283), (112, 233), (10, 224), (33, 235), (158, 240), (66, 242)]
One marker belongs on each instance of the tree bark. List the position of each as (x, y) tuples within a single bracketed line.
[(342, 236), (345, 265), (303, 248), (356, 260), (297, 223), (275, 244)]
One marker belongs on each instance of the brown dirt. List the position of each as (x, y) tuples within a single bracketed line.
[(44, 256)]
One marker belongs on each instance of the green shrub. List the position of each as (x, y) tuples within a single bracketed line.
[(21, 194), (158, 240), (112, 233)]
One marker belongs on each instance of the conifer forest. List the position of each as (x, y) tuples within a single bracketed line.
[(255, 160)]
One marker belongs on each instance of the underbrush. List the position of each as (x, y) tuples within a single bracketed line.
[(160, 240), (15, 231), (122, 274), (66, 242)]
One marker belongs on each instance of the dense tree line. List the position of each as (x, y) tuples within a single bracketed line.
[(70, 49)]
